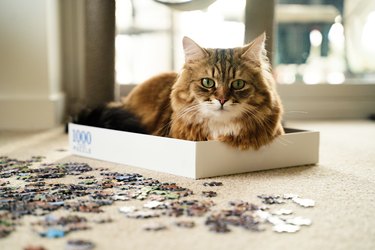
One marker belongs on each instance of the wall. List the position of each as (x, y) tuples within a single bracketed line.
[(88, 52), (30, 67)]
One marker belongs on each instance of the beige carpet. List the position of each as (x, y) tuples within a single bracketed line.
[(343, 186)]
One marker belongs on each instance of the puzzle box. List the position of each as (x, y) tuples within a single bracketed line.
[(192, 159)]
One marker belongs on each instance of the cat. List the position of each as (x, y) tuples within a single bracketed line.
[(227, 95)]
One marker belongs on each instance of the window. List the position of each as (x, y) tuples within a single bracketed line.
[(322, 57), (149, 34), (325, 41)]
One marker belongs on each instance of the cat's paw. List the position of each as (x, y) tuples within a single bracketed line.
[(240, 142)]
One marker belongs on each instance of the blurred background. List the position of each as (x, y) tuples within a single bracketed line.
[(58, 56), (311, 44)]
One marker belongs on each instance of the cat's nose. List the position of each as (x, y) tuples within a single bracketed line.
[(222, 101)]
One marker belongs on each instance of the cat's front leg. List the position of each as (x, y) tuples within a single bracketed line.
[(187, 131), (249, 141), (240, 142), (253, 140)]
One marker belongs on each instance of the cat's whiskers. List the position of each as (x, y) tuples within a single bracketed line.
[(253, 114), (259, 120), (181, 114), (187, 110)]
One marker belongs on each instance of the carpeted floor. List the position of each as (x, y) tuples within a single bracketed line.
[(342, 185)]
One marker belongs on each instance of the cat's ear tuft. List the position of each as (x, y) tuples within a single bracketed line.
[(192, 50), (255, 51)]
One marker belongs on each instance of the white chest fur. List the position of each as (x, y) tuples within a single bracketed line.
[(222, 129)]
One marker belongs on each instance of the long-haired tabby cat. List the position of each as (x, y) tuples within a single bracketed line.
[(221, 94)]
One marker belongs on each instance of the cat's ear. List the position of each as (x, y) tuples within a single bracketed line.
[(255, 51), (192, 50)]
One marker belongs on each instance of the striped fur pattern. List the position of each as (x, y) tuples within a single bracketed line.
[(221, 94), (245, 117)]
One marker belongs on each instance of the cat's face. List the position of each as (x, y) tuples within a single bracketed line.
[(224, 84)]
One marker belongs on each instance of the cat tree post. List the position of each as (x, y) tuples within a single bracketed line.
[(88, 40), (100, 51), (259, 17)]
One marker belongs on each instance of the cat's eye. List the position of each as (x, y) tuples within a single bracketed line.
[(207, 82), (238, 84)]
